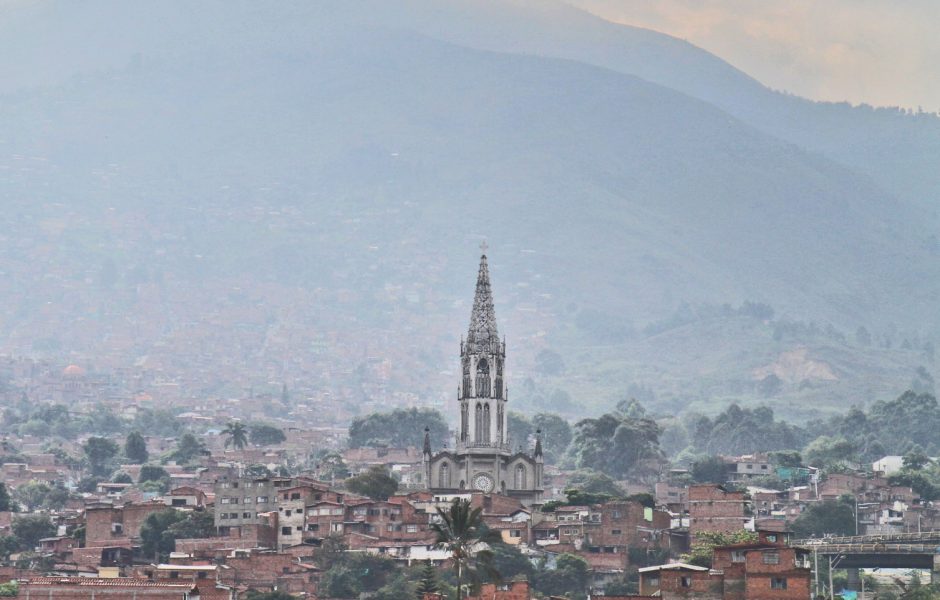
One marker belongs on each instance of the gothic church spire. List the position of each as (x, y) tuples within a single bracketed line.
[(483, 333)]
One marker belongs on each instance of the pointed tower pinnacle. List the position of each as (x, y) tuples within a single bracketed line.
[(427, 441), (483, 333), (538, 443)]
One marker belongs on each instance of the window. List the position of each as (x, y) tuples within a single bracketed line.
[(515, 533), (202, 574), (179, 502), (287, 512), (285, 530), (411, 528), (174, 574), (653, 581), (778, 583), (737, 556), (519, 482), (246, 500), (763, 467), (483, 379), (262, 500), (771, 558), (772, 537), (615, 532), (313, 527), (223, 516), (295, 496), (685, 582), (246, 515), (615, 514), (117, 528)]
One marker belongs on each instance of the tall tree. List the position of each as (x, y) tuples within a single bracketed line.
[(237, 435), (135, 448), (262, 434), (156, 535), (99, 451), (375, 483), (556, 435), (427, 584), (29, 529), (461, 532), (617, 444), (188, 448)]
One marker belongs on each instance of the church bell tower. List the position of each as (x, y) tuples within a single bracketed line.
[(482, 393)]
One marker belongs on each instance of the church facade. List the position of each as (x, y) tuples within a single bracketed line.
[(482, 458)]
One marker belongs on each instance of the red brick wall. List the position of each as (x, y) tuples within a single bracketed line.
[(711, 508), (758, 587)]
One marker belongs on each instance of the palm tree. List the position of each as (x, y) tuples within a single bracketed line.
[(460, 531), (237, 435)]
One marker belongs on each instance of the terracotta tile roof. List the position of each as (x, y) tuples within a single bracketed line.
[(116, 582)]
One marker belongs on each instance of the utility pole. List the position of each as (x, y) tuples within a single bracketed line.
[(856, 515), (831, 592), (816, 571)]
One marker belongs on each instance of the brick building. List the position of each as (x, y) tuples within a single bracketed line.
[(118, 588), (713, 508), (514, 590), (112, 532), (764, 570)]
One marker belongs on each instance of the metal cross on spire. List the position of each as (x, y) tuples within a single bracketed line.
[(484, 246)]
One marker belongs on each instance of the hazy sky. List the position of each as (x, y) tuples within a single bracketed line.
[(883, 52)]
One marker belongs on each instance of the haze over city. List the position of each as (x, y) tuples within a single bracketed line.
[(502, 299)]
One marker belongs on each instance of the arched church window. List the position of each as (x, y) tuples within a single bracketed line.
[(499, 388), (444, 477), (466, 378), (519, 480), (486, 424), (478, 424), (483, 379), (464, 425)]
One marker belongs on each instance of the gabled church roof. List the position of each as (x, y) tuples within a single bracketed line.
[(483, 333)]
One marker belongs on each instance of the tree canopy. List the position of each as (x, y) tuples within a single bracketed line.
[(99, 452), (618, 444), (833, 517), (262, 434), (375, 483), (400, 428), (135, 448)]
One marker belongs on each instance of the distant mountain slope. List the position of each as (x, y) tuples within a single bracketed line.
[(394, 153), (663, 196), (898, 151)]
